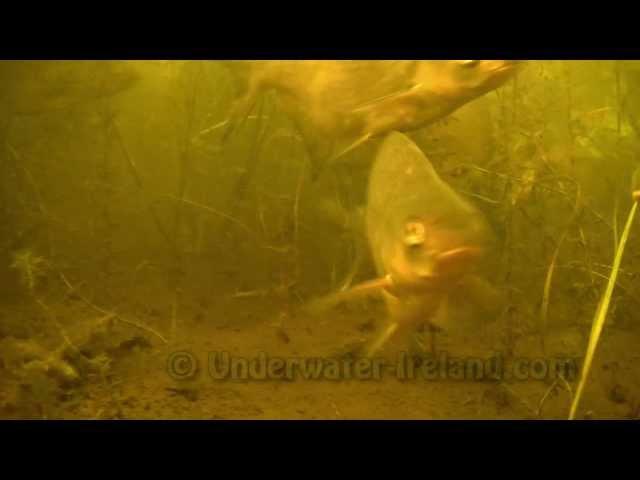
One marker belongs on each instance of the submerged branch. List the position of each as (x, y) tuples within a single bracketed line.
[(110, 313), (139, 183), (213, 211)]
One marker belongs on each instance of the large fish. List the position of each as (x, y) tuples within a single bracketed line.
[(338, 105), (424, 238)]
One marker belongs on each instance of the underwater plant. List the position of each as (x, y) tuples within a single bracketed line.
[(30, 267), (603, 307)]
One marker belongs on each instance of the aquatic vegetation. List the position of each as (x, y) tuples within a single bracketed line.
[(602, 310), (31, 268)]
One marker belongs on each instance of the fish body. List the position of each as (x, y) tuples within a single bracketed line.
[(418, 227), (339, 104), (424, 238), (426, 241)]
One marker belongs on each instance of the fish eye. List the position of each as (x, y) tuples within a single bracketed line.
[(414, 233)]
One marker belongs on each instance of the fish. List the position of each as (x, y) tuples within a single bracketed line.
[(426, 242), (338, 105)]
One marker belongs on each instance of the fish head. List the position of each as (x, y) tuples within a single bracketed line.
[(467, 79), (431, 257)]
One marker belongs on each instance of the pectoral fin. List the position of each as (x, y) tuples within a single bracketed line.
[(359, 291), (387, 100), (456, 261)]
